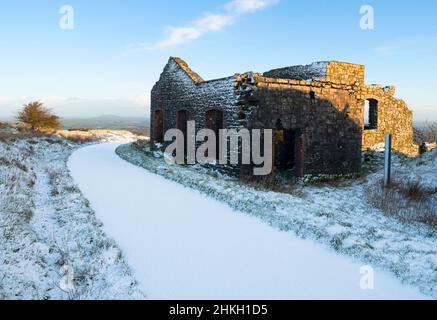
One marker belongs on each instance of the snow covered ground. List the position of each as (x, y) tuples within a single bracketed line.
[(184, 244), (338, 216), (49, 235)]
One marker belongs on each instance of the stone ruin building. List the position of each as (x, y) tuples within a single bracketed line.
[(323, 114)]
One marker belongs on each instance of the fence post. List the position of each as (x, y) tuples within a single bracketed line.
[(387, 162)]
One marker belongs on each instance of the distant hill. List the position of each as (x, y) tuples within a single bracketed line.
[(111, 122)]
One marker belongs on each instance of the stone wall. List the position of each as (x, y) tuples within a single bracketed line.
[(176, 90), (347, 74), (394, 117), (179, 88), (327, 114), (325, 101)]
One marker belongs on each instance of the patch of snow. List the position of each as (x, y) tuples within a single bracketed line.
[(422, 169), (380, 147), (184, 245), (338, 217), (46, 224)]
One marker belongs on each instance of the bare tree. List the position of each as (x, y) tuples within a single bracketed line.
[(38, 117), (431, 132)]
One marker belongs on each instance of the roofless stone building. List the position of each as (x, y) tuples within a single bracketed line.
[(323, 114)]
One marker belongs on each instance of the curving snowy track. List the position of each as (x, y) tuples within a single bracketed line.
[(183, 245)]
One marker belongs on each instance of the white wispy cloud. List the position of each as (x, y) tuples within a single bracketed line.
[(210, 22), (248, 6), (196, 29)]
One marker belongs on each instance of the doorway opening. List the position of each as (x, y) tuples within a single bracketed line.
[(183, 116), (289, 151), (371, 114), (285, 150), (159, 127), (214, 121)]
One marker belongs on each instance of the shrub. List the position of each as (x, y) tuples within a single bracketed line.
[(414, 191), (77, 136), (409, 201), (428, 133), (80, 138), (281, 183), (141, 144), (31, 183), (37, 117), (265, 182), (28, 215), (5, 162), (21, 166), (20, 135)]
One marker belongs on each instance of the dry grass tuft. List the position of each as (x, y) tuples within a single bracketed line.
[(13, 133), (141, 144), (80, 138), (281, 183), (409, 201)]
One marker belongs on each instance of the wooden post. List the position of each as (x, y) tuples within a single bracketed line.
[(387, 163)]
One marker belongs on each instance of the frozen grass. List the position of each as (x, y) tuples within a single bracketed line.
[(409, 201), (46, 223), (82, 136), (338, 216), (184, 245)]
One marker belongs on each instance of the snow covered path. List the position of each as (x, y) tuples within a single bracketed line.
[(182, 245)]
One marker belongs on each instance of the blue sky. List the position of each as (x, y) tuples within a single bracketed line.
[(109, 62)]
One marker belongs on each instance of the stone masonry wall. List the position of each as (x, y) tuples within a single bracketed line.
[(327, 113), (181, 89), (176, 90), (328, 106), (345, 74), (394, 117)]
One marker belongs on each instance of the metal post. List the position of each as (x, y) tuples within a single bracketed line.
[(387, 163)]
